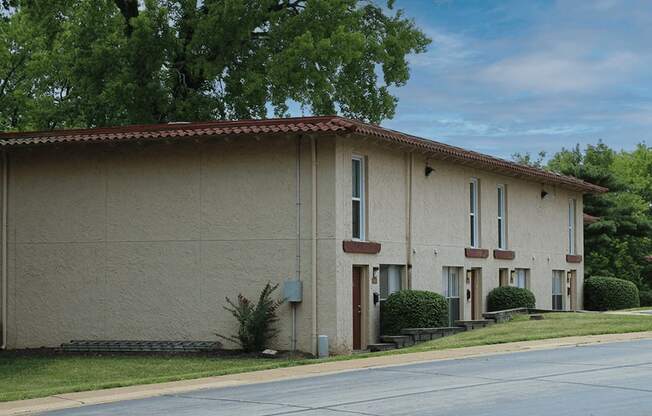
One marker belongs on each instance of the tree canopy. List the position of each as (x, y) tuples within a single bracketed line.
[(87, 63)]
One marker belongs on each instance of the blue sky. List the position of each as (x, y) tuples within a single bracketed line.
[(527, 75)]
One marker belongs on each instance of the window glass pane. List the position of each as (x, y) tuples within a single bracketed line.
[(384, 284), (521, 278), (357, 170), (390, 279), (472, 197), (453, 310), (571, 226), (394, 279), (500, 233), (472, 231), (356, 219), (444, 281), (500, 201), (454, 285)]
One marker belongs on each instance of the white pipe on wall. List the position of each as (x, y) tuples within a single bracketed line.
[(5, 174), (313, 284)]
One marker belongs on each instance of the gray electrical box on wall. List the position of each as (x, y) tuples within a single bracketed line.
[(293, 291)]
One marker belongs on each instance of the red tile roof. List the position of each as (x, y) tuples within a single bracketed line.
[(316, 125)]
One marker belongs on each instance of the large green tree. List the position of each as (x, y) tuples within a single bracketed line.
[(71, 63)]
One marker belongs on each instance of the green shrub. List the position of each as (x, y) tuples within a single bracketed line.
[(255, 322), (413, 309), (609, 293), (509, 297), (645, 297)]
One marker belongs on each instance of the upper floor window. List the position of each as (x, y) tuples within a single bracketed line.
[(502, 235), (572, 204), (473, 212), (358, 217)]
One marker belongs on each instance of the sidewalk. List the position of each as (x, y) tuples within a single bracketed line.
[(69, 400)]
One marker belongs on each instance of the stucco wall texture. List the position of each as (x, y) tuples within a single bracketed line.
[(144, 241)]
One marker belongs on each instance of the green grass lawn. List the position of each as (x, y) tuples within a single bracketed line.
[(641, 308), (23, 377)]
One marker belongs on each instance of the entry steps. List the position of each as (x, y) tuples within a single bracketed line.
[(411, 336)]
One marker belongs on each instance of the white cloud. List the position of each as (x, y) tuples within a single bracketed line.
[(549, 72), (446, 50)]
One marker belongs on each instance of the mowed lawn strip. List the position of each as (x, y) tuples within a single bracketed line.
[(23, 377)]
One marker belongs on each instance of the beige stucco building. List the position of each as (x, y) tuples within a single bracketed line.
[(140, 232)]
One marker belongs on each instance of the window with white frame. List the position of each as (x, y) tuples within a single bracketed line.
[(451, 291), (521, 279), (358, 198), (474, 213), (557, 290), (571, 225), (502, 218), (391, 279)]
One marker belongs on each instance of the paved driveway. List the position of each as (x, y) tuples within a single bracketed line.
[(608, 379)]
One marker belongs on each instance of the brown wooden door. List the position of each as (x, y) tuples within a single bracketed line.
[(476, 295), (573, 290), (473, 296), (357, 308)]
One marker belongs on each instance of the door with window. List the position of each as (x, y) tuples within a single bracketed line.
[(451, 290), (558, 290)]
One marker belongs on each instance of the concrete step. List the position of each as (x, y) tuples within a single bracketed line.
[(427, 334), (399, 340), (381, 346), (475, 324)]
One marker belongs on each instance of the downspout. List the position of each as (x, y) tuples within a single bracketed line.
[(298, 238), (313, 284), (5, 174), (408, 225)]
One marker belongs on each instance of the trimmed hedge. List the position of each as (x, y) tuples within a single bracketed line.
[(609, 293), (510, 297), (413, 309), (645, 297)]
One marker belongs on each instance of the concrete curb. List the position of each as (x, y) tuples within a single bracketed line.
[(70, 400)]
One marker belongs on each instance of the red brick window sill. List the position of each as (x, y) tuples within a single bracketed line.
[(361, 247), (476, 253), (573, 258), (504, 254)]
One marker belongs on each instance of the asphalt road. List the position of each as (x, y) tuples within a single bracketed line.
[(608, 379)]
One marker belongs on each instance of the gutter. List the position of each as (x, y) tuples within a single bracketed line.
[(298, 237), (313, 283), (408, 225), (5, 174)]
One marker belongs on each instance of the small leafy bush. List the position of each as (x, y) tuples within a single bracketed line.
[(413, 309), (509, 297), (255, 321), (609, 293), (645, 297)]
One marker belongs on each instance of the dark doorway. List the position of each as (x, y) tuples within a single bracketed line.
[(357, 308)]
